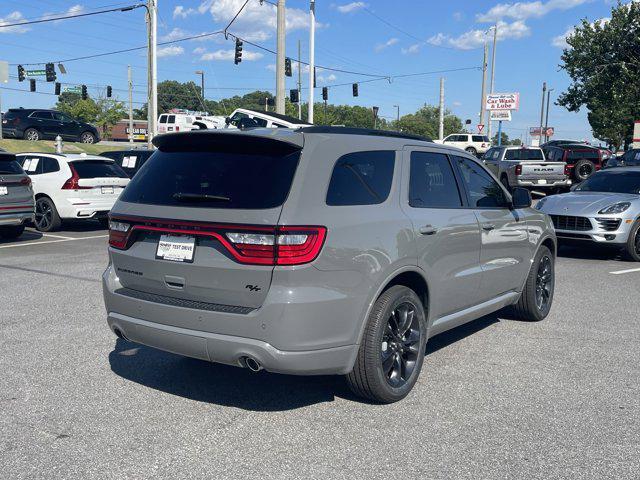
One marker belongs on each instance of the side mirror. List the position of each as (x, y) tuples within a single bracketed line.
[(521, 198)]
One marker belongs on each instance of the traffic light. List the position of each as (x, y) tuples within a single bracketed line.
[(293, 95), (20, 73), (355, 89), (109, 91), (32, 85), (238, 57), (50, 71), (58, 88), (84, 92), (325, 93), (287, 67)]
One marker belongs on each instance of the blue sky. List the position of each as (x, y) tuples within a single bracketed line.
[(383, 38)]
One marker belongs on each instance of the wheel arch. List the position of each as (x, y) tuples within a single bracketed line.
[(200, 125)]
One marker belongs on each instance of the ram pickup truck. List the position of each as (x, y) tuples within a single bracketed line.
[(526, 167)]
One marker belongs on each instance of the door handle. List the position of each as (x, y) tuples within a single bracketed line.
[(428, 230), (487, 227)]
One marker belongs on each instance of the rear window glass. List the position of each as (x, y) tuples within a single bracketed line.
[(163, 119), (524, 154), (98, 169), (362, 178), (480, 138), (214, 180), (578, 154), (9, 165)]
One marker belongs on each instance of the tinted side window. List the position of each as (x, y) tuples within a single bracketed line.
[(171, 119), (432, 183), (477, 138), (484, 191), (49, 165), (32, 165), (361, 178), (163, 119), (260, 121), (488, 154), (42, 115)]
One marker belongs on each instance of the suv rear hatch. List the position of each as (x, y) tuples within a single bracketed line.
[(200, 221), (15, 191), (96, 180)]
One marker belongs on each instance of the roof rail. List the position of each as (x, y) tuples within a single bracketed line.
[(363, 131)]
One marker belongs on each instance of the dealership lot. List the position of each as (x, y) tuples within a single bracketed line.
[(497, 398)]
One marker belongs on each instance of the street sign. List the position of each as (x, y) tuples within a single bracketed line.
[(503, 101), (480, 127), (35, 73), (535, 131), (73, 89), (500, 115), (4, 72), (375, 111)]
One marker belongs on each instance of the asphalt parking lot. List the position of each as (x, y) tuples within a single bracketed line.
[(497, 398)]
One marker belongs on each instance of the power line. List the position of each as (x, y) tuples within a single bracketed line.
[(73, 15)]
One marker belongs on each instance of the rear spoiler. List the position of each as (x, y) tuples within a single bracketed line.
[(260, 140)]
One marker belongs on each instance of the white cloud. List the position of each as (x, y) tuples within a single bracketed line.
[(328, 79), (475, 38), (560, 41), (457, 16), (457, 104), (256, 22), (13, 17), (413, 49), (351, 7), (75, 9), (170, 51), (230, 55), (174, 34), (381, 46), (524, 10), (199, 50), (181, 12)]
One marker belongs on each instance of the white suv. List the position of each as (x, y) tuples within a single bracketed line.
[(72, 186), (474, 144)]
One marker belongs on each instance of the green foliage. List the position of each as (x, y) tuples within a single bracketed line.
[(109, 113), (104, 112), (603, 64), (505, 140), (426, 120)]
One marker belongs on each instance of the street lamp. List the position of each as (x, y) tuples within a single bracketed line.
[(201, 73)]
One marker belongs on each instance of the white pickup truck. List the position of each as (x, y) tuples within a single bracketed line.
[(526, 167)]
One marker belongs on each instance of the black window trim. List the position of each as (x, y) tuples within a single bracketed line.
[(467, 195), (464, 199)]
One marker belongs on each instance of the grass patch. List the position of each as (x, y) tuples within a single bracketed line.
[(48, 146)]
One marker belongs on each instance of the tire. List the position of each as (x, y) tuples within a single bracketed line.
[(633, 243), (528, 306), (11, 232), (505, 181), (32, 134), (472, 151), (104, 222), (88, 137), (583, 170), (47, 218), (386, 354)]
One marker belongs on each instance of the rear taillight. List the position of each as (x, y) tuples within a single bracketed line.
[(73, 182), (567, 170), (518, 169), (118, 233), (177, 128), (26, 181)]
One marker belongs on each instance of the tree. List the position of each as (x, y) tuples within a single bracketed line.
[(603, 62), (426, 120), (109, 113), (73, 105)]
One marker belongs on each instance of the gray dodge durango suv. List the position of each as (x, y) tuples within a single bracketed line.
[(323, 250)]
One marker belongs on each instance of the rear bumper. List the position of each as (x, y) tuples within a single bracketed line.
[(16, 218), (548, 183), (231, 350), (11, 133), (81, 208)]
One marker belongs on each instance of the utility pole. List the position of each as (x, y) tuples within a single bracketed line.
[(493, 70), (544, 91), (484, 84), (130, 81), (280, 58), (312, 56), (397, 107), (299, 82), (201, 73), (441, 115), (152, 102), (546, 120)]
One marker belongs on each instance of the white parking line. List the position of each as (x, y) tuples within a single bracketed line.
[(620, 272), (69, 239), (56, 236)]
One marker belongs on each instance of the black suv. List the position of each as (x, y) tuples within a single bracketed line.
[(129, 160), (38, 124)]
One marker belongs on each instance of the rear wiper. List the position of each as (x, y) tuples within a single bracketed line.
[(200, 197)]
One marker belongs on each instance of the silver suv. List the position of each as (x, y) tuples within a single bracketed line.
[(323, 250)]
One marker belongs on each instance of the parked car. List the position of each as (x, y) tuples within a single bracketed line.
[(630, 158), (326, 250), (559, 143), (246, 118), (16, 197), (582, 160), (525, 167), (40, 124), (474, 144), (604, 209), (129, 160), (187, 121), (74, 186)]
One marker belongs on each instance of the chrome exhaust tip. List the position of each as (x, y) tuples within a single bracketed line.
[(252, 364)]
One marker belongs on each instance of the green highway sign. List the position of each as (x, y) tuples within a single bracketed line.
[(73, 89), (35, 73)]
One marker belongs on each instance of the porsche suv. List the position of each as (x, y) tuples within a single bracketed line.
[(322, 250)]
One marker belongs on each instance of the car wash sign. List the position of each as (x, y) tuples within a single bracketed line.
[(503, 101)]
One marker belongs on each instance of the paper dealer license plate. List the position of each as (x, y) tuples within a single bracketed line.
[(176, 248)]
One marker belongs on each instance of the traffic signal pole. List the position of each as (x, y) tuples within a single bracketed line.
[(280, 57)]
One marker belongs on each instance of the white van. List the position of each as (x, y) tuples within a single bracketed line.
[(187, 121), (243, 118)]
